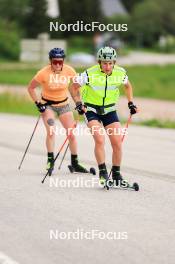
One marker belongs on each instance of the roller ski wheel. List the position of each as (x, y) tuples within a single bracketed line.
[(92, 171), (108, 184), (111, 184), (71, 169), (81, 169), (135, 186)]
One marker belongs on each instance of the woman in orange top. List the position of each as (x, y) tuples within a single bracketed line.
[(54, 80)]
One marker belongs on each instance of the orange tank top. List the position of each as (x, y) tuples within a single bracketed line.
[(55, 85)]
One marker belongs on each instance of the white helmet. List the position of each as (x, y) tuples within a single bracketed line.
[(106, 54)]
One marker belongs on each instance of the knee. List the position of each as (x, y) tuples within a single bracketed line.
[(72, 137), (50, 136), (100, 141), (117, 146)]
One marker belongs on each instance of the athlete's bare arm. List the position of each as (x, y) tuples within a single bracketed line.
[(31, 89), (128, 91), (74, 89)]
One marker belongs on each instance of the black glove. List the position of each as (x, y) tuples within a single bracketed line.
[(41, 107), (79, 107), (132, 108)]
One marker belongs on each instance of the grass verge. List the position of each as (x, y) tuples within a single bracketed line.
[(148, 81), (17, 104)]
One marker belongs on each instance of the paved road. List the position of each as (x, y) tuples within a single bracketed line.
[(135, 58), (146, 58), (32, 214)]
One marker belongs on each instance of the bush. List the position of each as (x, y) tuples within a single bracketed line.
[(146, 23), (166, 45), (150, 20), (9, 41), (80, 44)]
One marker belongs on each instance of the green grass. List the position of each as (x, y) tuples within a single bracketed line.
[(158, 123), (153, 81), (21, 77), (17, 74), (148, 81), (14, 104), (16, 77)]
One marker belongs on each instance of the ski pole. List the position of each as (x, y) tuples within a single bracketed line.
[(62, 146), (66, 149), (126, 126), (29, 142), (56, 157), (63, 156)]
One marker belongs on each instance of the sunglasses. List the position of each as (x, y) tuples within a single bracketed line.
[(57, 62)]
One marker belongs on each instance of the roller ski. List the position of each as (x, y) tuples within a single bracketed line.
[(124, 185), (80, 169), (77, 167), (118, 181), (50, 166)]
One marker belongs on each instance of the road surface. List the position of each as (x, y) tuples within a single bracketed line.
[(130, 227)]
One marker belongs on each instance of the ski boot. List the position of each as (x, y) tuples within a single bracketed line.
[(103, 177), (77, 167), (118, 180), (81, 169), (50, 165)]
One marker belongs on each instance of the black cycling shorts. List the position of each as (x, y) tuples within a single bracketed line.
[(105, 119)]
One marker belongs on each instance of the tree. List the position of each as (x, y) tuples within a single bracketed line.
[(129, 5), (149, 20), (10, 27), (84, 10), (168, 15), (10, 40), (36, 20), (146, 23), (13, 11)]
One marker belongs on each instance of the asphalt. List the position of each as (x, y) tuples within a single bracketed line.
[(37, 219)]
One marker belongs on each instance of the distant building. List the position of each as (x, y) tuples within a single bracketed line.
[(37, 49), (53, 8), (113, 7)]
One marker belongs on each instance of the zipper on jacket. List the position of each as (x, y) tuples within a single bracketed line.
[(106, 86)]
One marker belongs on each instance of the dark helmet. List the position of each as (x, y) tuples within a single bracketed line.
[(56, 53)]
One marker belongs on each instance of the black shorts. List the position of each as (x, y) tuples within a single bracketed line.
[(105, 119)]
